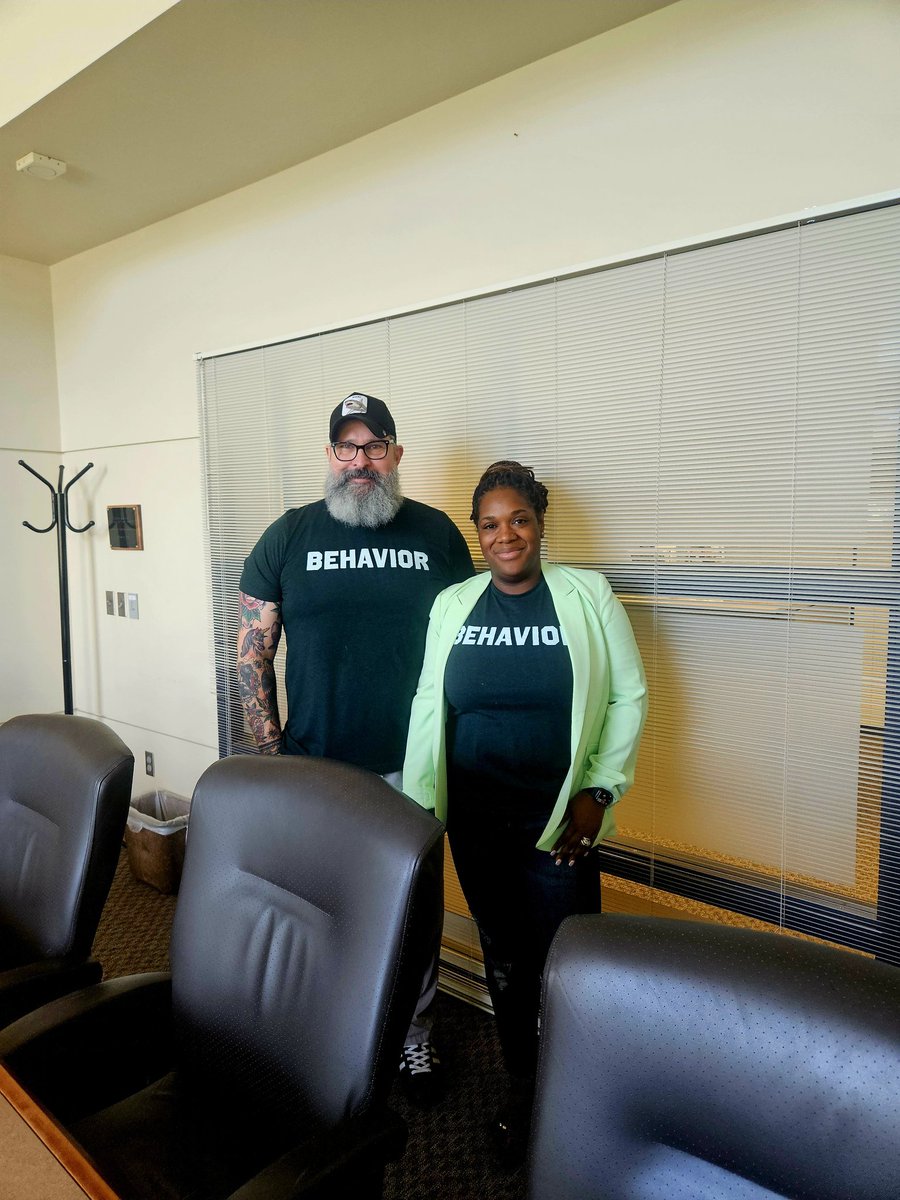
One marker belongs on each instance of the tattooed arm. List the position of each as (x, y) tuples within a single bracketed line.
[(258, 640)]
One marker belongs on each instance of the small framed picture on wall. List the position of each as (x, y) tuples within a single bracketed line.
[(124, 521)]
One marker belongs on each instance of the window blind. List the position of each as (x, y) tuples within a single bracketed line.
[(718, 430)]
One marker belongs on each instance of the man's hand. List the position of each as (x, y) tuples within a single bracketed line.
[(585, 819), (258, 640)]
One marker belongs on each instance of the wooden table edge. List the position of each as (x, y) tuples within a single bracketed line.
[(57, 1141)]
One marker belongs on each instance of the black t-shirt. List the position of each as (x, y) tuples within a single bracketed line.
[(508, 684), (355, 605)]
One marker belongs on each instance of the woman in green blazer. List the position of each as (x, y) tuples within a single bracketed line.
[(523, 737)]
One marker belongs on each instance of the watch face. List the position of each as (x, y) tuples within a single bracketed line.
[(603, 797)]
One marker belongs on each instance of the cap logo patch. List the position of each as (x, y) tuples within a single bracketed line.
[(355, 404)]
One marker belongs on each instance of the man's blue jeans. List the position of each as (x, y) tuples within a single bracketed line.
[(423, 1018)]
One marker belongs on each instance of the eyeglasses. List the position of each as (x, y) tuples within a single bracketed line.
[(347, 451)]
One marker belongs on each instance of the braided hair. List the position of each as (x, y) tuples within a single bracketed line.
[(507, 473)]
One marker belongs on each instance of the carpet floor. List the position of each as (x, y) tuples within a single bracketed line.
[(447, 1156)]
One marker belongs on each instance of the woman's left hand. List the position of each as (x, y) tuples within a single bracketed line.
[(578, 837)]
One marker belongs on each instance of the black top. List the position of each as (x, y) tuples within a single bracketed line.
[(508, 684), (355, 606)]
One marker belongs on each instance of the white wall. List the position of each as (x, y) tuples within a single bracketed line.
[(29, 429), (703, 117)]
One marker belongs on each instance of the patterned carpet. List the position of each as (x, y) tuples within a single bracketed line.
[(447, 1157)]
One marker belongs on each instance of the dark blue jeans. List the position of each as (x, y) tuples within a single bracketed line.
[(518, 897)]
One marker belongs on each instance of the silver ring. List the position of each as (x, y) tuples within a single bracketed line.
[(585, 841)]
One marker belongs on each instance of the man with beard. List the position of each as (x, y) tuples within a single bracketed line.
[(351, 579)]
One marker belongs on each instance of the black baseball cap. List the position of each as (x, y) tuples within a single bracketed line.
[(370, 410)]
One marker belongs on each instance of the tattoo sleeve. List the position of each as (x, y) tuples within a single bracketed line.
[(258, 639)]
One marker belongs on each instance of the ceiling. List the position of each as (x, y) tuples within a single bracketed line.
[(216, 94)]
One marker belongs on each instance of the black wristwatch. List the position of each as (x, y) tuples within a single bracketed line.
[(603, 797)]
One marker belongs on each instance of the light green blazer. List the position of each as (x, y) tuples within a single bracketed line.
[(609, 693)]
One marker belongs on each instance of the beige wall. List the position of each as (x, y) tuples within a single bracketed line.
[(701, 118), (29, 429), (29, 414)]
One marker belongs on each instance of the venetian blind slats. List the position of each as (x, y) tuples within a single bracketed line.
[(718, 429)]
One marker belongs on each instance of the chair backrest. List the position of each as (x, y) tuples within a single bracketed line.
[(691, 1061), (310, 895), (65, 787)]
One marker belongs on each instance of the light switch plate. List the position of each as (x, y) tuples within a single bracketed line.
[(133, 605), (110, 604), (120, 604)]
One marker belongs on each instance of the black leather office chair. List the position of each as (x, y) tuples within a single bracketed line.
[(688, 1061), (310, 896), (65, 784)]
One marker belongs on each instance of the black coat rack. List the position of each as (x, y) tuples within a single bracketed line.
[(60, 522)]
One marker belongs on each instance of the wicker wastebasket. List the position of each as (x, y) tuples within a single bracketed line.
[(155, 836)]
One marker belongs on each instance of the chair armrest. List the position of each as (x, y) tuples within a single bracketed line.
[(334, 1161), (25, 988), (87, 1050)]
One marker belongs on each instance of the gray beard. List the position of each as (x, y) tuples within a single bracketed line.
[(371, 509)]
